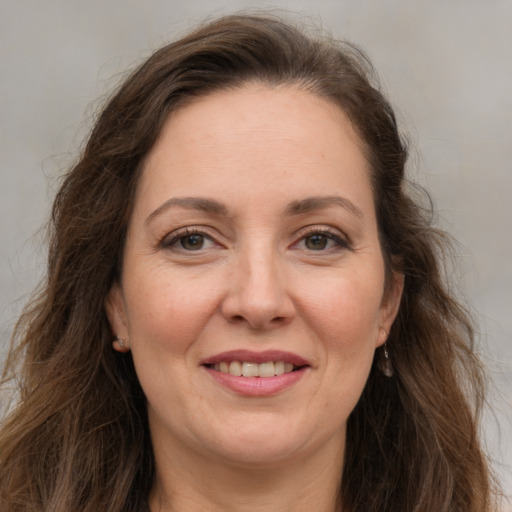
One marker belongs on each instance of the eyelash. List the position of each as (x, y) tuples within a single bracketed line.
[(341, 242), (182, 234)]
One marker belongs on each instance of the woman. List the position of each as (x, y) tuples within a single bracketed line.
[(244, 308)]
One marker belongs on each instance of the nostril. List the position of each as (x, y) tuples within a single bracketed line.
[(258, 323)]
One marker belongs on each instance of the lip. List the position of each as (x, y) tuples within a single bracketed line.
[(256, 386), (256, 357)]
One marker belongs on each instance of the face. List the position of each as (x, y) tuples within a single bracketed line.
[(252, 295)]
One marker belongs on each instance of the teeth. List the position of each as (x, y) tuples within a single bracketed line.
[(266, 370), (248, 369), (235, 368)]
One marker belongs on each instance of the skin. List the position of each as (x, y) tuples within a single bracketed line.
[(257, 272)]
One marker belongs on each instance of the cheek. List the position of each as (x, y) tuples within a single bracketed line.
[(168, 309), (167, 314), (344, 310), (346, 322)]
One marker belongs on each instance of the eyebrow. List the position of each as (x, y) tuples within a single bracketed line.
[(321, 202), (190, 203), (298, 207)]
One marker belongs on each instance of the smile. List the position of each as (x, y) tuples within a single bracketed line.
[(251, 369), (253, 373)]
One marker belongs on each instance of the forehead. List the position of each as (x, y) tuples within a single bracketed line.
[(254, 137)]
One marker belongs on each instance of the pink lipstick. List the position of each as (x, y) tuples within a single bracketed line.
[(256, 373)]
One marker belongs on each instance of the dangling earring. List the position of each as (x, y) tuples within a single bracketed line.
[(120, 342), (386, 366)]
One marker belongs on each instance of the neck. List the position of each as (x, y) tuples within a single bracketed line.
[(187, 485)]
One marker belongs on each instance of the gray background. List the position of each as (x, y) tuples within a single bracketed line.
[(445, 64)]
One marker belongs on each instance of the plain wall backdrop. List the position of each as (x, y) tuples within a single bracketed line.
[(445, 64)]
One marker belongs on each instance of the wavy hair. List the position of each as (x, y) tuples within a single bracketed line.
[(78, 439)]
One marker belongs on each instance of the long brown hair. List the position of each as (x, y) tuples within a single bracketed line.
[(78, 437)]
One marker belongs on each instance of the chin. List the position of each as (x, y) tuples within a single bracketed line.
[(260, 454), (260, 444)]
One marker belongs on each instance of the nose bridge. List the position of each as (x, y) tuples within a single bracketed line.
[(258, 294)]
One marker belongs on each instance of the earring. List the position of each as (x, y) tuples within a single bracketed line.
[(121, 344), (385, 364)]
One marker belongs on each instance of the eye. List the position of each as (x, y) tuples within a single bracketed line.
[(188, 240), (317, 242), (321, 240), (192, 242)]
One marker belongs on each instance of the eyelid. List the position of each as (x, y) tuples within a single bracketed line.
[(174, 236), (334, 234)]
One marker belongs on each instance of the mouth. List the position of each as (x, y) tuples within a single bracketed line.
[(252, 369), (264, 365)]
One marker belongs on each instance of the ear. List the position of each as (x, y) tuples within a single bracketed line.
[(116, 314), (390, 305)]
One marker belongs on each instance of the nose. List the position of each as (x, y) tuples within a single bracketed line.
[(258, 294)]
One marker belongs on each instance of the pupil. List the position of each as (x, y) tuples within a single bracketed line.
[(316, 242), (192, 242)]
